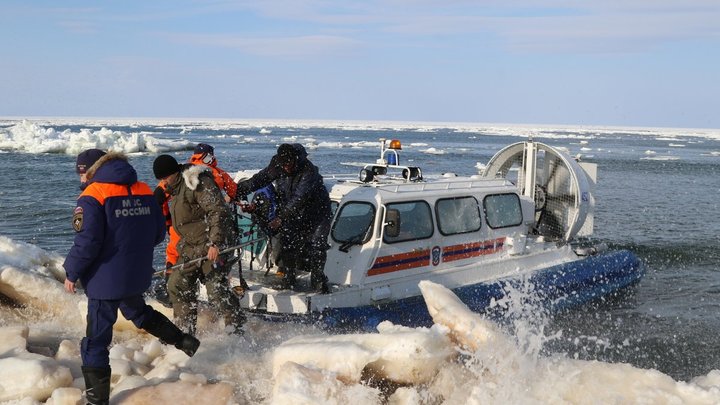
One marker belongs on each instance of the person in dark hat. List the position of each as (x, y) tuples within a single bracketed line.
[(303, 216), (117, 226), (203, 149), (85, 160), (164, 166), (205, 225)]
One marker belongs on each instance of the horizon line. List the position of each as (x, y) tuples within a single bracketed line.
[(338, 122)]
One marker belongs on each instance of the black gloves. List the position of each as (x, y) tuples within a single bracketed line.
[(243, 189), (159, 287), (160, 195)]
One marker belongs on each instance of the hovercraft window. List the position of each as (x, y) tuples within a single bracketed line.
[(352, 223), (415, 221), (458, 215), (502, 210)]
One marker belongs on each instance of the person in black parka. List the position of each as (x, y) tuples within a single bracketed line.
[(303, 216)]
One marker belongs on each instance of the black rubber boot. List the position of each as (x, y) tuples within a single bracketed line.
[(285, 279), (318, 281), (188, 344), (315, 265), (161, 327), (97, 385), (321, 287)]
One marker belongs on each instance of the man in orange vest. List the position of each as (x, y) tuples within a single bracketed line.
[(171, 254)]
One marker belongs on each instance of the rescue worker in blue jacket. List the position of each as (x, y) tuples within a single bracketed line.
[(117, 223), (303, 215)]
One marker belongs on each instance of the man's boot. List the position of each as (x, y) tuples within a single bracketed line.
[(285, 278), (287, 281), (161, 327), (97, 385), (233, 314), (316, 264), (286, 271)]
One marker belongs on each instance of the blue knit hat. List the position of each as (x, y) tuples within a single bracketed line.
[(86, 159), (204, 148)]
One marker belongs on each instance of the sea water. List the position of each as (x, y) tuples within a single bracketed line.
[(657, 195)]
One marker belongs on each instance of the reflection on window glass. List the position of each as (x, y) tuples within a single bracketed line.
[(353, 222), (458, 215), (502, 210), (415, 221)]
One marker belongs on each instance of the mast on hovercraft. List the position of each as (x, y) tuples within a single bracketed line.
[(390, 160)]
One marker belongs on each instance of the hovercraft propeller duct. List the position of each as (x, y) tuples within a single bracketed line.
[(559, 186)]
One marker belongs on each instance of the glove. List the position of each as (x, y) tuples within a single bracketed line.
[(159, 288), (160, 195), (248, 208), (275, 223), (243, 189)]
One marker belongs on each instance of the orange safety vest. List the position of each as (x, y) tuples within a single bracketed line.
[(171, 253), (222, 178)]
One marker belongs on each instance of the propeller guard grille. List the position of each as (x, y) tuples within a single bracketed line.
[(562, 191)]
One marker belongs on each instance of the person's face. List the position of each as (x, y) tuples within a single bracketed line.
[(169, 179), (83, 178), (289, 167)]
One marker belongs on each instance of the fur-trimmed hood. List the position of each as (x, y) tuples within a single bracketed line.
[(198, 211), (112, 168), (191, 175)]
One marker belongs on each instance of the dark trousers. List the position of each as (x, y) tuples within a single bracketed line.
[(182, 287), (101, 317), (305, 248)]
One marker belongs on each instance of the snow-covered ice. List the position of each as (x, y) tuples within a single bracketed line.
[(463, 359)]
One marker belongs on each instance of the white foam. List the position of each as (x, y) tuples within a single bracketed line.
[(661, 158), (434, 151)]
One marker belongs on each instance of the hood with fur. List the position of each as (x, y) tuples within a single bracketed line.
[(191, 175), (112, 168)]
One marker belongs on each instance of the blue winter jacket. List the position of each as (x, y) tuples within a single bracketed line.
[(118, 223)]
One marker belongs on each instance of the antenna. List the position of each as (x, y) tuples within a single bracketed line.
[(382, 160)]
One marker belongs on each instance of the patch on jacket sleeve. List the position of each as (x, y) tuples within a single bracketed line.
[(77, 220)]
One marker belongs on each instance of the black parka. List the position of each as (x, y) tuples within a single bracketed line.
[(304, 200)]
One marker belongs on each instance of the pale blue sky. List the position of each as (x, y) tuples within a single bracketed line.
[(600, 62)]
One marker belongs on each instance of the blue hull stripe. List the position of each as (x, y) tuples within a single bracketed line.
[(558, 287)]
